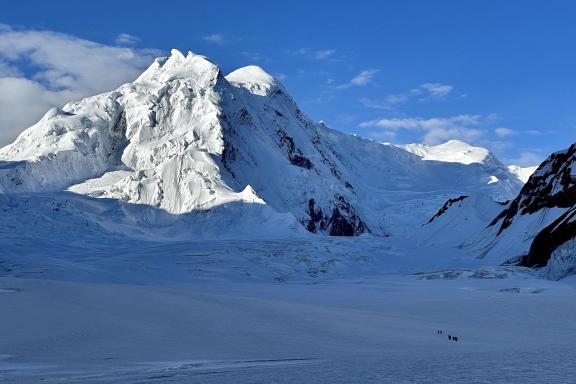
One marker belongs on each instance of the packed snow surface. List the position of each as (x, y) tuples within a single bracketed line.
[(198, 321)]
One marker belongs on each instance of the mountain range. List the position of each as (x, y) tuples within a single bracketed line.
[(186, 152)]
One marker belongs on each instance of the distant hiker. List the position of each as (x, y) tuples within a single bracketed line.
[(449, 337), (455, 338)]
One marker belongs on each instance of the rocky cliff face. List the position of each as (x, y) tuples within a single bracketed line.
[(539, 222), (553, 185)]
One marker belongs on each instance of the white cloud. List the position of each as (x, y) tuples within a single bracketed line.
[(126, 39), (425, 124), (424, 92), (441, 135), (361, 79), (318, 54), (503, 132), (59, 68), (364, 77), (436, 90), (23, 102), (8, 70), (323, 54), (433, 130), (383, 135), (214, 38)]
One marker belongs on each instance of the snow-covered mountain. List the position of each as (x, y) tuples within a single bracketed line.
[(183, 139), (456, 151), (523, 173), (453, 151), (537, 228)]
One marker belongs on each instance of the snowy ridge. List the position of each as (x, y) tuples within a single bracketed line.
[(456, 151), (523, 173), (453, 151)]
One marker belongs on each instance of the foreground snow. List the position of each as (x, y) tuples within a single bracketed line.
[(308, 309), (364, 330)]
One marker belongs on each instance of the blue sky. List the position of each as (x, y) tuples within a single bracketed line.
[(500, 74)]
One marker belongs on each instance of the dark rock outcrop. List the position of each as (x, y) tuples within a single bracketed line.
[(549, 239), (445, 207), (342, 220), (294, 154), (552, 186)]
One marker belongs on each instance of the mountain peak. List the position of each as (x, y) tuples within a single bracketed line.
[(177, 54), (179, 66), (456, 143), (452, 151), (253, 78)]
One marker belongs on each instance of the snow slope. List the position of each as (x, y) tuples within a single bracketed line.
[(523, 173), (183, 138), (453, 151), (459, 220)]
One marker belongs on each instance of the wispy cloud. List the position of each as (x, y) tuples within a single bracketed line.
[(61, 68), (387, 102), (364, 77), (280, 76), (215, 38), (434, 90), (433, 130), (7, 70), (503, 132), (424, 92), (360, 80), (323, 54), (126, 39), (316, 54), (534, 132)]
